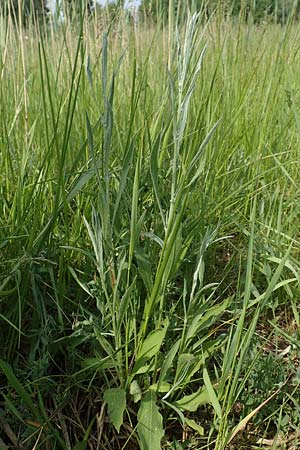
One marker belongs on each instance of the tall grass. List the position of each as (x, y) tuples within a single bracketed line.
[(149, 229)]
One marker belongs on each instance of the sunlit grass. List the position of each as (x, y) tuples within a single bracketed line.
[(149, 225)]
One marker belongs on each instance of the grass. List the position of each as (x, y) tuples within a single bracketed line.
[(149, 235)]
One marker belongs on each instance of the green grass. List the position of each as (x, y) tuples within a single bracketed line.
[(149, 235)]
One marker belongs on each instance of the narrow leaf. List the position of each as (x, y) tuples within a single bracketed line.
[(211, 394), (15, 383), (195, 426)]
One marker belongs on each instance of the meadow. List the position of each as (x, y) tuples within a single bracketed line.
[(149, 235)]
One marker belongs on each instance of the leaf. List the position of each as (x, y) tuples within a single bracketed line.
[(135, 391), (81, 445), (89, 71), (15, 383), (212, 394), (276, 276), (127, 162), (99, 363), (195, 426), (198, 155), (205, 319), (168, 361), (150, 423), (287, 264), (186, 363), (153, 237), (128, 294), (193, 401), (144, 369), (150, 346), (134, 210), (145, 267), (160, 387), (154, 175), (116, 404)]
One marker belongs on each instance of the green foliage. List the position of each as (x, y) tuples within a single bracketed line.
[(116, 404), (257, 11), (271, 370), (23, 9), (150, 423), (192, 402), (148, 230), (149, 348), (20, 390), (261, 10), (159, 10), (31, 10)]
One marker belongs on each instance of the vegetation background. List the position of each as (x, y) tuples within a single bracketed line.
[(258, 10), (149, 227)]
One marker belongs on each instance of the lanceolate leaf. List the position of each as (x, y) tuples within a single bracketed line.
[(150, 423), (193, 401), (195, 426), (150, 346), (168, 361), (116, 404), (212, 394)]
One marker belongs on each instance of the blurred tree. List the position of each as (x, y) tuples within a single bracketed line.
[(258, 10), (24, 9), (158, 10), (39, 8)]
